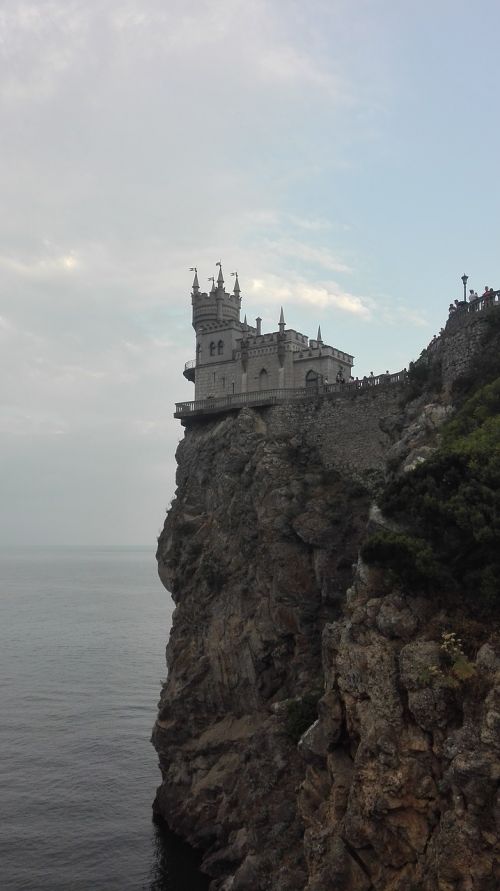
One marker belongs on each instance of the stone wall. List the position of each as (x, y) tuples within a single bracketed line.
[(349, 431), (460, 343)]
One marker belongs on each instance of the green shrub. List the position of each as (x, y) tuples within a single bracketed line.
[(411, 560), (451, 506), (424, 376)]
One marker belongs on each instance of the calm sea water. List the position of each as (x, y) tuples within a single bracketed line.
[(82, 652)]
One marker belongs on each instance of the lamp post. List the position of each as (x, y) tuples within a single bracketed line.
[(465, 279)]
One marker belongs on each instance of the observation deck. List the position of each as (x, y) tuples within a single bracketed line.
[(214, 405)]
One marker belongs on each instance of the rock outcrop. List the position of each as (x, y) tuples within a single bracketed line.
[(401, 787), (310, 734), (257, 551)]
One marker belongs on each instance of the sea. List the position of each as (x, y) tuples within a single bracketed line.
[(82, 656)]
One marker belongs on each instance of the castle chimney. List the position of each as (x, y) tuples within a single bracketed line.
[(258, 322)]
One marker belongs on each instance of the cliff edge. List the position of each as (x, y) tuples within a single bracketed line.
[(328, 721)]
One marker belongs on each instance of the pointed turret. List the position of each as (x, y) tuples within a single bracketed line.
[(196, 284), (318, 338), (282, 322), (220, 277), (212, 289), (236, 284), (245, 323)]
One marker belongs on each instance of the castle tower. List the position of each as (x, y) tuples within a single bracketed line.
[(217, 307), (216, 321)]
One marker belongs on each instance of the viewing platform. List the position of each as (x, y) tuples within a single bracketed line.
[(222, 404)]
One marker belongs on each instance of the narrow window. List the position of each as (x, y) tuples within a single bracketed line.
[(220, 347), (212, 349)]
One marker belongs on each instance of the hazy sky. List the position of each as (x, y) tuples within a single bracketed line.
[(341, 155)]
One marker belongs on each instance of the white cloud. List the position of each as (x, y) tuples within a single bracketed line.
[(311, 224), (287, 65), (300, 292), (139, 139), (40, 267), (333, 296), (320, 256), (35, 422)]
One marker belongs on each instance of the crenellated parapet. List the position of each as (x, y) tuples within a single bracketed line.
[(211, 309), (217, 306)]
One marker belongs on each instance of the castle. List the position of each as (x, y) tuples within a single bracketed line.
[(233, 357)]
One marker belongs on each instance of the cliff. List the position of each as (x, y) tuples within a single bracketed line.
[(327, 723)]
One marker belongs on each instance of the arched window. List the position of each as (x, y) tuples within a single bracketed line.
[(220, 347), (212, 349), (312, 380), (198, 352), (263, 377)]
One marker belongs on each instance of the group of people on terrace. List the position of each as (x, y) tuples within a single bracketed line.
[(366, 381), (474, 300)]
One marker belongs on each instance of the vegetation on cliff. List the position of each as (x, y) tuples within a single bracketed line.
[(449, 505)]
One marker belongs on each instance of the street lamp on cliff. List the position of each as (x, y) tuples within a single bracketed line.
[(464, 280)]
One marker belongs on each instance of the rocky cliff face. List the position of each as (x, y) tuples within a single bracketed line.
[(310, 732), (401, 784)]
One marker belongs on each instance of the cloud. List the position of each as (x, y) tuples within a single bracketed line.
[(395, 313), (311, 224), (320, 256), (33, 423), (41, 267), (291, 67), (335, 297), (140, 139), (300, 292)]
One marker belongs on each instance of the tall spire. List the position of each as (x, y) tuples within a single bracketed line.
[(236, 284), (282, 322), (318, 338), (220, 278), (245, 323), (196, 285)]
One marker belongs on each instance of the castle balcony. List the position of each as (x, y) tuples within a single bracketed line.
[(190, 370), (217, 405)]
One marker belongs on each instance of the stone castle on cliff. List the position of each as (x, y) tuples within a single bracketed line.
[(237, 364), (234, 358)]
